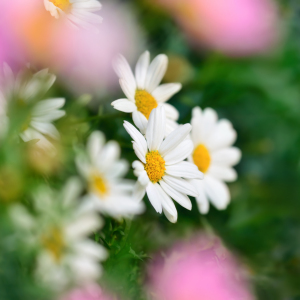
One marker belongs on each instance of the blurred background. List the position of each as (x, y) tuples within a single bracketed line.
[(240, 57)]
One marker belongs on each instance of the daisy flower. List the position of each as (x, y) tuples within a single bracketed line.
[(214, 156), (103, 170), (79, 13), (161, 169), (143, 91), (59, 233), (27, 90)]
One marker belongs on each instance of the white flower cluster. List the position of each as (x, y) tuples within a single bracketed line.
[(162, 145), (174, 162)]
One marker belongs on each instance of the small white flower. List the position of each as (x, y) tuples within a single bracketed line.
[(214, 156), (143, 91), (59, 232), (103, 170), (26, 89), (79, 13), (162, 170)]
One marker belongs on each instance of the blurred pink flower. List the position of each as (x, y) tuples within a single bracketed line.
[(90, 292), (203, 269), (10, 49), (82, 57), (85, 58), (235, 27)]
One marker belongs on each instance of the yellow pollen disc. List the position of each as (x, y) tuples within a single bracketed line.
[(155, 166), (201, 158), (99, 185), (54, 243), (62, 4), (144, 102)]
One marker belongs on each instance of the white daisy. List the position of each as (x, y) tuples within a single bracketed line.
[(162, 170), (79, 13), (26, 89), (59, 233), (103, 170), (214, 156), (143, 91)]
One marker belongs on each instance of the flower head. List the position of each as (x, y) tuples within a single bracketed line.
[(60, 233), (103, 170), (143, 91), (214, 156), (27, 90), (234, 27), (161, 169), (202, 269), (79, 13)]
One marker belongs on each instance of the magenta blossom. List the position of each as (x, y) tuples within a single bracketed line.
[(234, 27), (203, 269), (90, 292)]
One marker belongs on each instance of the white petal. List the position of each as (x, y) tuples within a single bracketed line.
[(138, 168), (32, 134), (139, 191), (124, 105), (202, 201), (129, 90), (90, 249), (203, 125), (227, 157), (85, 269), (167, 203), (170, 126), (180, 153), (141, 70), (136, 136), (46, 128), (165, 91), (71, 191), (180, 185), (174, 139), (140, 121), (156, 128), (143, 178), (222, 173), (217, 192), (180, 198), (83, 226), (95, 143), (223, 136), (46, 106), (83, 166), (156, 72), (109, 155), (8, 75), (171, 217), (118, 169), (51, 116), (123, 70), (88, 5), (184, 169), (171, 112), (139, 152), (154, 196)]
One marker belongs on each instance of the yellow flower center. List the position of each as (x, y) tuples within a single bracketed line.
[(53, 241), (144, 102), (62, 4), (201, 158), (155, 166), (98, 184)]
